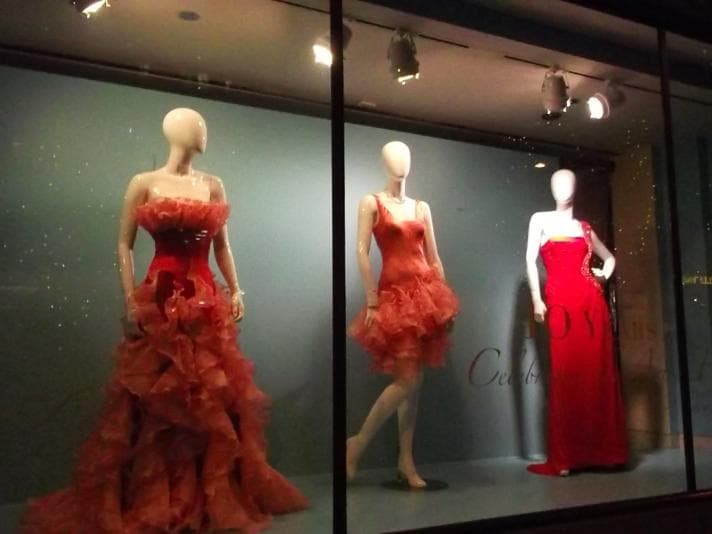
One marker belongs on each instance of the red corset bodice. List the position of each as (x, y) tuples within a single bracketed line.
[(182, 230)]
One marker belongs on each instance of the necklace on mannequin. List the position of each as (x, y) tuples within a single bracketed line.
[(395, 199)]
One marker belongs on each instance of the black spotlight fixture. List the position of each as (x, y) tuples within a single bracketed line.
[(322, 47), (89, 7), (401, 54), (600, 104), (555, 94)]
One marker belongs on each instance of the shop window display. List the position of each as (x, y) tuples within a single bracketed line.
[(203, 416), (511, 317), (558, 361)]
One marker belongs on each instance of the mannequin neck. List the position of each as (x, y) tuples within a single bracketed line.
[(180, 161), (396, 188), (565, 210)]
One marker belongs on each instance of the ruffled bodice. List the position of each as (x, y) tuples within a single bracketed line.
[(168, 213)]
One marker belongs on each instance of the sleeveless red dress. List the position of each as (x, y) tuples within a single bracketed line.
[(415, 305), (179, 444), (586, 422)]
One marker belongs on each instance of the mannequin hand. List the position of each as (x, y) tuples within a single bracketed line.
[(599, 274), (370, 316), (539, 311), (129, 323), (237, 307)]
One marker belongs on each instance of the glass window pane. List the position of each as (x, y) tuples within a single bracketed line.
[(175, 418), (691, 90), (491, 107)]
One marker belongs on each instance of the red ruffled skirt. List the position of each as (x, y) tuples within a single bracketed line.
[(179, 444), (411, 323)]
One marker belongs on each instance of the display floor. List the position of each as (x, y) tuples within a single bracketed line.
[(478, 490), (502, 486), (316, 520)]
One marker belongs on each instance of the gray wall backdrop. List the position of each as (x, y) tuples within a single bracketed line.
[(481, 199), (68, 147)]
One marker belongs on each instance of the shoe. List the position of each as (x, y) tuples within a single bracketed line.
[(414, 481)]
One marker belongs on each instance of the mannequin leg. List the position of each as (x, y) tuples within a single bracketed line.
[(407, 414), (387, 403)]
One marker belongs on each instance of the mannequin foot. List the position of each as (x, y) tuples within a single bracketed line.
[(353, 451), (413, 480), (411, 476)]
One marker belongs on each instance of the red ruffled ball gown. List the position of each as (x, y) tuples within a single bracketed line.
[(415, 305), (586, 422), (179, 445)]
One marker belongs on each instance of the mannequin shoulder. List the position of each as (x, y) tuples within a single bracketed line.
[(215, 184), (140, 183), (538, 220), (368, 202), (540, 217)]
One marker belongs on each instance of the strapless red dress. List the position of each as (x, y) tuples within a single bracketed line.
[(586, 422), (179, 445), (415, 305)]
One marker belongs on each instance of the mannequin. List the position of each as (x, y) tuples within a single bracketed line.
[(179, 445), (187, 136), (560, 222), (417, 278), (585, 420)]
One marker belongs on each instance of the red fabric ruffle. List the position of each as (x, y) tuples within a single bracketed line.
[(411, 322), (180, 441), (167, 213)]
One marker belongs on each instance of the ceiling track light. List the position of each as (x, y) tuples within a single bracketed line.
[(89, 7), (402, 56), (555, 94), (322, 47), (600, 104)]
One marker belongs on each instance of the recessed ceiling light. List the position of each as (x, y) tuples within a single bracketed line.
[(189, 16), (540, 165)]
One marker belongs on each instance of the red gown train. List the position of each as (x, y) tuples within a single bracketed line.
[(179, 445), (586, 424), (415, 305)]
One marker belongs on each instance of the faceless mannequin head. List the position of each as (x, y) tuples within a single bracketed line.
[(563, 186), (185, 128), (396, 159)]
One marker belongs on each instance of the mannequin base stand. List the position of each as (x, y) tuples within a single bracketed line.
[(399, 484)]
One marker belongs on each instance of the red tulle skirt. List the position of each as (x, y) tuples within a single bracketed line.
[(411, 324), (179, 444)]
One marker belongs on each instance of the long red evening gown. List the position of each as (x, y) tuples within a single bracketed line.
[(415, 305), (179, 444), (586, 424)]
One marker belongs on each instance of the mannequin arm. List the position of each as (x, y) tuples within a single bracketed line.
[(224, 256), (533, 244), (135, 195), (431, 248), (366, 213), (600, 250)]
